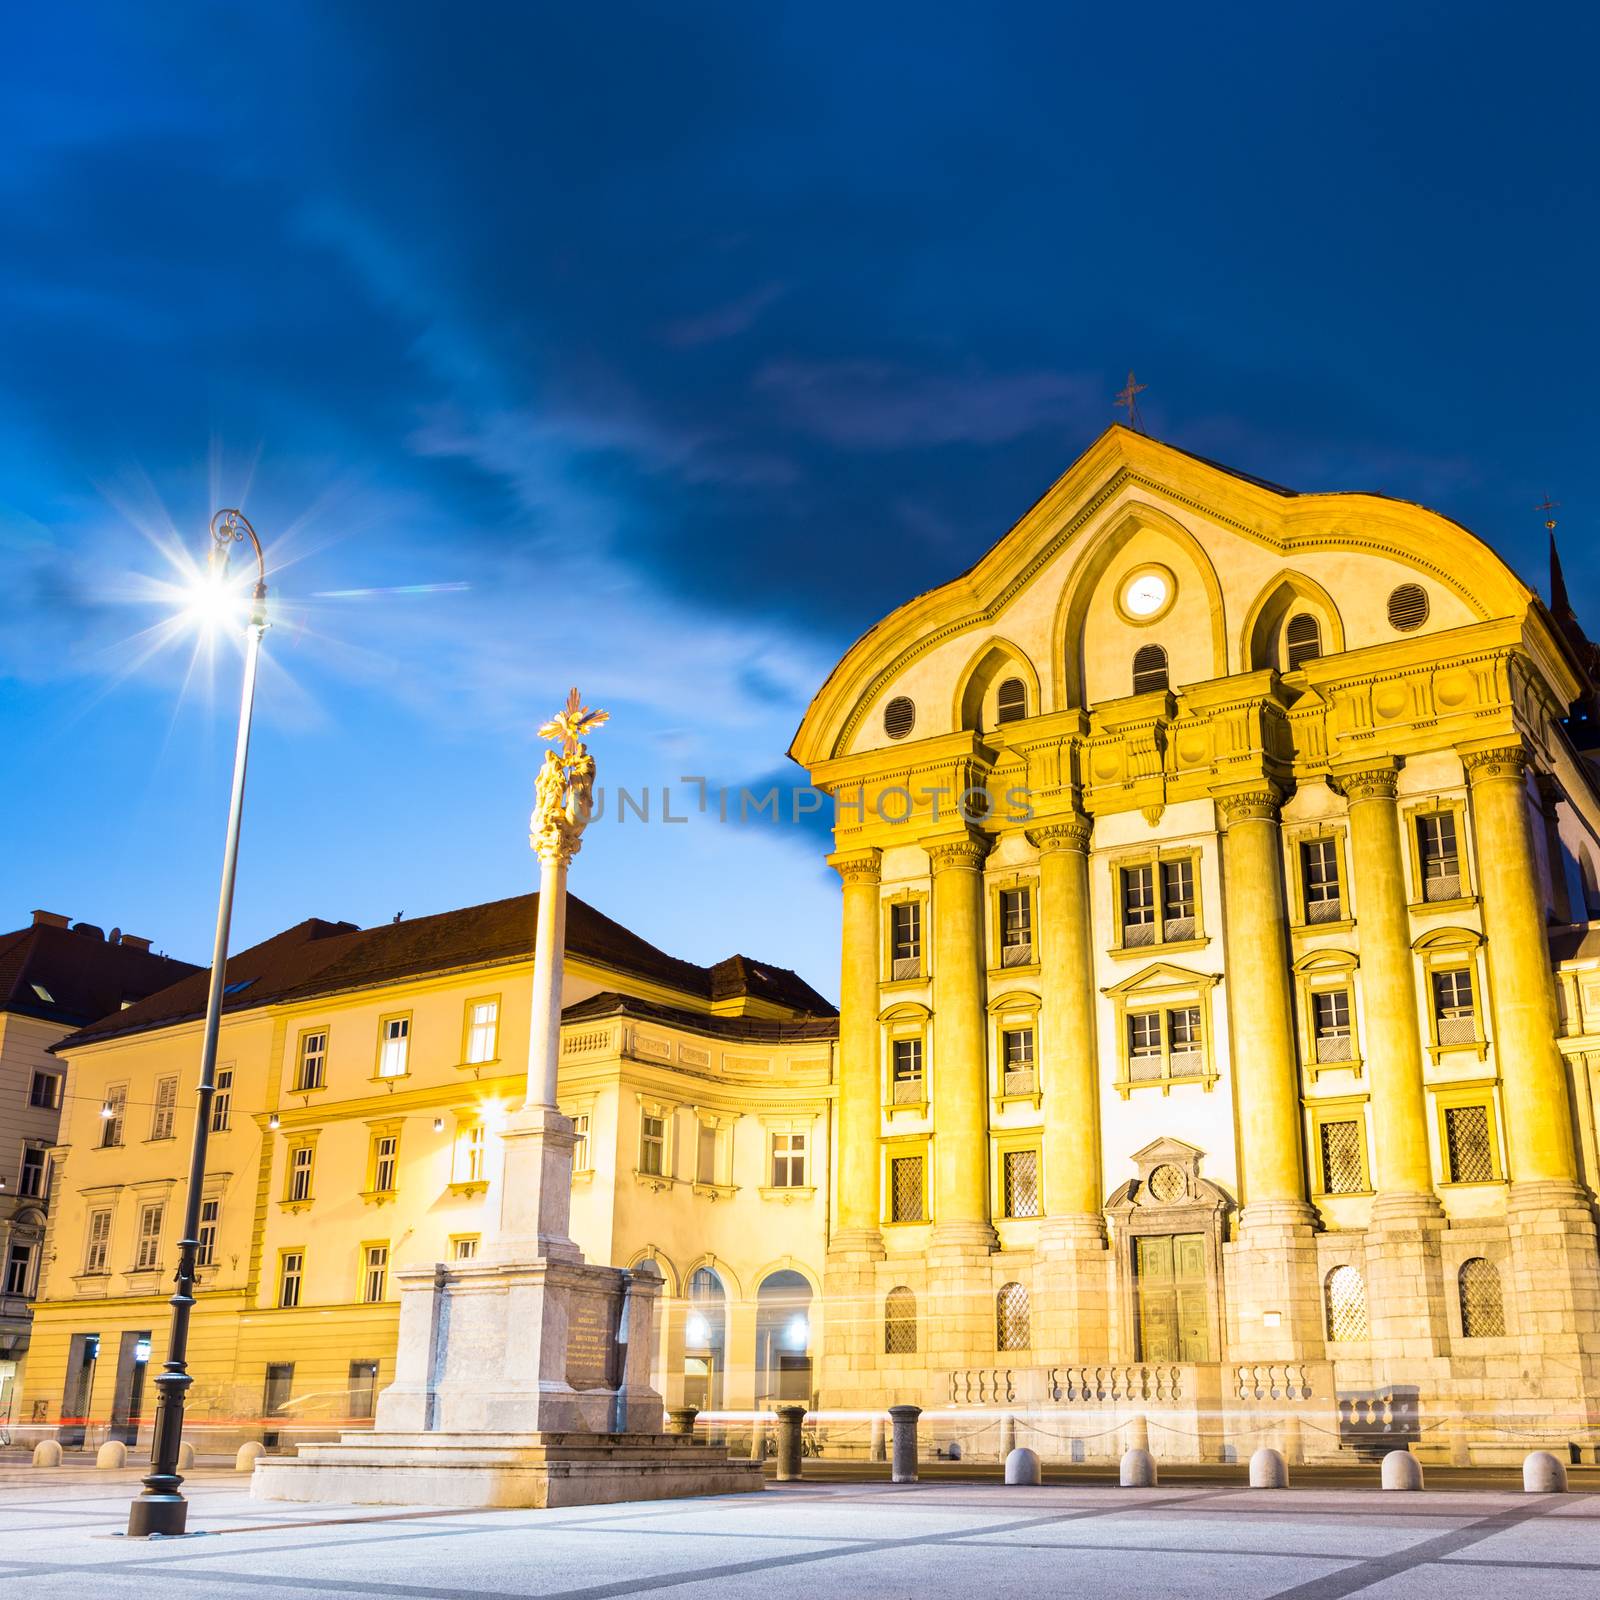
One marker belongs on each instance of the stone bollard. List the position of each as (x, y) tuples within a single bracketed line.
[(111, 1455), (878, 1447), (1543, 1473), (1008, 1436), (903, 1468), (1268, 1470), (1022, 1467), (1401, 1470), (185, 1457), (250, 1452), (791, 1419), (680, 1421), (1138, 1434), (1138, 1469), (47, 1453)]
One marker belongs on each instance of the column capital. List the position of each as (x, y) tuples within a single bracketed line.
[(962, 851), (1509, 760), (1368, 779), (1061, 833), (858, 866), (1249, 802)]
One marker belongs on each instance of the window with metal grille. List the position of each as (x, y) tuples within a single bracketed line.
[(1139, 905), (653, 1145), (374, 1273), (900, 1323), (148, 1254), (1016, 1047), (1177, 900), (221, 1099), (1319, 873), (313, 1062), (1144, 1044), (1183, 1029), (1016, 927), (1021, 1183), (905, 939), (1345, 1300), (97, 1245), (1408, 607), (1302, 641), (899, 717), (210, 1217), (483, 1030), (1455, 1014), (905, 1189), (788, 1161), (300, 1161), (1441, 861), (1011, 703), (1483, 1312), (1341, 1157), (1149, 668), (1469, 1146), (1012, 1322), (1330, 1020), (290, 1265), (385, 1162), (907, 1069)]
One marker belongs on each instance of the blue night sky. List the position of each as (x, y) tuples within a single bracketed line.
[(666, 347)]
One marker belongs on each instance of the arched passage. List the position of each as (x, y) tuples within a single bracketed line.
[(705, 1340), (783, 1337)]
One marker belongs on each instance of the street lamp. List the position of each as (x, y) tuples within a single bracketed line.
[(161, 1508)]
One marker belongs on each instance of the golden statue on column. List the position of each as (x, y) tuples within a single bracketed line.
[(564, 790)]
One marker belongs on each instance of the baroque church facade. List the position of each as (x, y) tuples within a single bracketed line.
[(1208, 855)]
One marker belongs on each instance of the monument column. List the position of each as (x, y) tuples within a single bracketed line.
[(1074, 1312), (1405, 1282), (1274, 1298)]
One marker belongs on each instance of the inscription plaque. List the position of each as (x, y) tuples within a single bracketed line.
[(591, 1340)]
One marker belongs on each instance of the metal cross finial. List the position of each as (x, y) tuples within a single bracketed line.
[(1128, 399), (1549, 507)]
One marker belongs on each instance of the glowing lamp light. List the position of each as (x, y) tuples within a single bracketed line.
[(106, 1113), (797, 1333), (141, 1351), (697, 1331), (272, 1120), (438, 1124)]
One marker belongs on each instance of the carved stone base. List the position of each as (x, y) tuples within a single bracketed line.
[(1274, 1292)]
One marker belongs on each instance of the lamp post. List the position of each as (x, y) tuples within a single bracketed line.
[(161, 1508)]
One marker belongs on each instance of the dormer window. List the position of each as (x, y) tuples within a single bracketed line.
[(1302, 641), (1011, 703), (1149, 669)]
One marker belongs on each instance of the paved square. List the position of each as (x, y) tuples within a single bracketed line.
[(58, 1536)]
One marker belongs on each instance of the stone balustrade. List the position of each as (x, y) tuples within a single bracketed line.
[(1155, 1382), (1273, 1381)]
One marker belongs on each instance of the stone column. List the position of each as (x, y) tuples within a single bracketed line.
[(1273, 1260), (960, 1047), (1554, 1270), (1405, 1284), (1073, 1314)]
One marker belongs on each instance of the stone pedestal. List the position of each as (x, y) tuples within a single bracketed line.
[(1405, 1280), (1274, 1293), (1072, 1308)]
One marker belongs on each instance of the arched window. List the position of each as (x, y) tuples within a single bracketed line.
[(705, 1331), (1302, 641), (1345, 1294), (900, 1323), (1011, 704), (1483, 1312), (1149, 668), (783, 1337), (1012, 1321)]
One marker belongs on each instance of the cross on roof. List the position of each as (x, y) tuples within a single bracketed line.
[(1128, 399)]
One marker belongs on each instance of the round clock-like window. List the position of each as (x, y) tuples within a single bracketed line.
[(1166, 1184), (1146, 593)]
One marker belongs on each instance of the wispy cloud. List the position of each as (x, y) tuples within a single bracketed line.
[(726, 321)]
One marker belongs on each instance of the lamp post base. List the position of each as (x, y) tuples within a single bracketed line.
[(166, 1514)]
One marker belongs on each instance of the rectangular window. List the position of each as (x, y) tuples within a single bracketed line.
[(1138, 905), (1144, 1044), (1455, 1015), (1469, 1144), (1021, 1179), (312, 1072), (1187, 1059), (905, 1189), (162, 1117), (580, 1150), (290, 1265), (112, 1114), (906, 1065), (300, 1161), (1177, 900), (1441, 861), (1016, 1048), (46, 1091), (788, 1161), (222, 1100), (470, 1154), (1341, 1157), (483, 1030), (385, 1162), (463, 1247), (97, 1245), (148, 1255), (1319, 873), (35, 1165), (1330, 1021), (395, 1034), (374, 1273), (905, 939), (280, 1386), (705, 1166), (19, 1269), (653, 1145), (363, 1390), (210, 1215), (1016, 928)]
